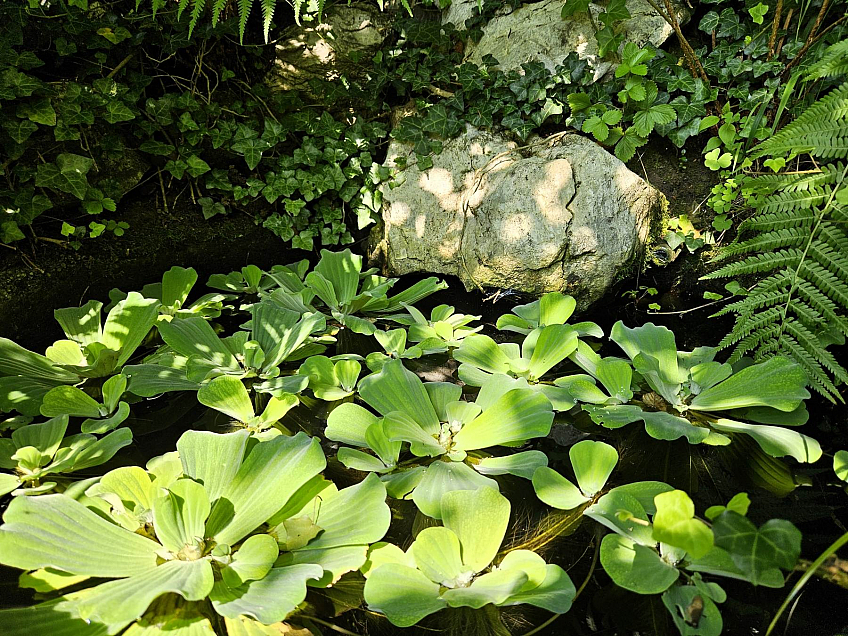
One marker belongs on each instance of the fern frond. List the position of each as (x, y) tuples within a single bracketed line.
[(196, 10), (298, 8), (815, 372), (765, 242), (824, 305), (811, 343), (834, 235), (794, 200), (244, 12), (833, 62), (753, 341), (181, 7), (217, 8), (829, 258), (759, 263), (268, 7), (778, 221), (826, 281), (819, 129), (745, 327)]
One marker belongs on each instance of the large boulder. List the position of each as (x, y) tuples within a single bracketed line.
[(342, 43), (537, 32), (560, 215)]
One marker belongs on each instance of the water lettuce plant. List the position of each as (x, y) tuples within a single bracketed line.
[(542, 349), (90, 350), (100, 417), (444, 324), (659, 546), (689, 394), (333, 378), (445, 435), (172, 293), (42, 459), (225, 524), (349, 295), (394, 343), (452, 565), (196, 354), (553, 308)]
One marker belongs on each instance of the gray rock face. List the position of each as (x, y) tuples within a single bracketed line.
[(560, 215), (537, 32), (343, 43)]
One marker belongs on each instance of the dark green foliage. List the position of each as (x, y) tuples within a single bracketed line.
[(799, 239)]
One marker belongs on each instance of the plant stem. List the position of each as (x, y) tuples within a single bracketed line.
[(806, 577)]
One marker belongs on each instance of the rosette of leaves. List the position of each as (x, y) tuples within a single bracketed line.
[(339, 283), (172, 293), (394, 343), (445, 435), (225, 533), (99, 417), (252, 280), (452, 565), (444, 324), (553, 308), (195, 355), (41, 458), (688, 394), (333, 378), (657, 537), (91, 350), (543, 349)]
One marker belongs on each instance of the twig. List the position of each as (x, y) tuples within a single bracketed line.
[(811, 38), (775, 23), (686, 311), (120, 65), (162, 185), (335, 628)]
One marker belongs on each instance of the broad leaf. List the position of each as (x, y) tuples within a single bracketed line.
[(636, 567), (674, 524)]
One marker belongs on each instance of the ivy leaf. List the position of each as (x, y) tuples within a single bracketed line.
[(156, 148), (21, 84), (117, 111), (66, 175), (252, 150), (195, 166), (578, 102), (616, 10), (9, 232), (177, 168), (608, 40), (574, 6), (442, 122), (19, 129), (645, 120), (709, 22), (521, 127), (758, 552), (40, 111)]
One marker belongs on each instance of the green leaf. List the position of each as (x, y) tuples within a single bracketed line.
[(57, 531), (402, 593), (395, 388), (442, 477), (681, 602), (553, 345), (195, 337), (69, 400), (574, 6), (777, 383), (479, 519), (437, 554), (556, 491), (252, 561), (118, 602), (493, 587), (196, 166), (127, 324), (227, 394), (482, 352), (840, 464), (268, 600), (758, 552), (518, 415), (271, 473), (19, 129), (179, 516), (674, 524), (636, 567), (593, 463), (774, 440), (348, 423), (212, 459), (117, 111), (522, 464)]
